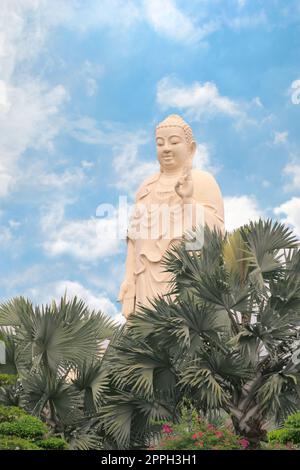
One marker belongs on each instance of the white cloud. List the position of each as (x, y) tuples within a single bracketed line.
[(266, 184), (293, 171), (4, 103), (167, 19), (280, 137), (91, 73), (240, 210), (291, 211), (44, 294), (86, 130), (294, 92), (29, 109), (69, 177), (199, 101), (32, 121), (248, 21), (95, 301), (129, 169), (87, 164), (257, 102), (84, 239), (5, 236), (202, 159)]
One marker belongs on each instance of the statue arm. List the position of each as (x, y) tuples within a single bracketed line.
[(127, 289), (206, 192)]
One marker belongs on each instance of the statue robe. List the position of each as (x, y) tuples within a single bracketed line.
[(149, 275)]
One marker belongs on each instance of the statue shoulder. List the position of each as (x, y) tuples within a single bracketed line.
[(204, 179), (144, 187), (202, 175)]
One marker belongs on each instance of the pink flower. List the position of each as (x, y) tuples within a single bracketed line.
[(167, 429), (195, 436), (219, 434), (244, 443), (200, 443), (210, 426)]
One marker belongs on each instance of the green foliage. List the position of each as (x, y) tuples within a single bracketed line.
[(277, 446), (16, 443), (7, 379), (57, 351), (27, 427), (52, 443), (11, 413), (293, 421), (226, 342), (194, 433), (19, 430), (290, 433)]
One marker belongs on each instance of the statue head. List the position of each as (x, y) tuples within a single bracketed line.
[(175, 143)]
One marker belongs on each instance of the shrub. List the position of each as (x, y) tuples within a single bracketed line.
[(27, 427), (293, 421), (289, 433), (207, 437), (277, 446), (7, 379), (195, 433), (53, 443), (16, 443), (11, 413)]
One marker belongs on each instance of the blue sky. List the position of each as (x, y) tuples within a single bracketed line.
[(82, 85)]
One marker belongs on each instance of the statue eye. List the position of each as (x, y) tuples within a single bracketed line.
[(159, 142), (175, 141)]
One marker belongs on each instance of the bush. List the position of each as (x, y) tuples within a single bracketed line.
[(284, 436), (7, 379), (193, 433), (293, 421), (16, 443), (53, 443), (277, 446), (21, 431), (289, 433), (11, 413), (27, 427)]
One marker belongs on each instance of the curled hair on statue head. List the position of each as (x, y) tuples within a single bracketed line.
[(174, 120)]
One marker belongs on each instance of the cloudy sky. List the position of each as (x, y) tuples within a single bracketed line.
[(82, 85)]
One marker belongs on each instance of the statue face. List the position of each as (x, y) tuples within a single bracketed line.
[(173, 150)]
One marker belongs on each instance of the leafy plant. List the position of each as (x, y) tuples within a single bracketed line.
[(57, 352), (16, 443), (289, 433), (27, 427), (52, 443), (228, 342)]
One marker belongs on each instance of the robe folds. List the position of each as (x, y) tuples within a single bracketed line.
[(159, 220)]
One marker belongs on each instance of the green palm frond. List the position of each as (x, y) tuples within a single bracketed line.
[(205, 385), (277, 395), (266, 236), (13, 312), (11, 354), (92, 380), (43, 391), (142, 369), (127, 418)]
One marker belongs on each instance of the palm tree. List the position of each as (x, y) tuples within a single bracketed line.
[(57, 352), (228, 343)]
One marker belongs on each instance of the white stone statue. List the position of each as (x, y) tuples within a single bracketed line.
[(177, 186)]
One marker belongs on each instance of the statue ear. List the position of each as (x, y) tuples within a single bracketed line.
[(193, 147)]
